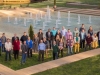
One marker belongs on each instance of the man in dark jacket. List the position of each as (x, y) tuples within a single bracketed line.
[(14, 37), (49, 37), (24, 38), (3, 40), (88, 41), (24, 49), (98, 35), (40, 35)]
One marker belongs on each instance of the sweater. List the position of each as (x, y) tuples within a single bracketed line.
[(55, 48), (89, 40), (24, 48), (16, 45), (29, 43)]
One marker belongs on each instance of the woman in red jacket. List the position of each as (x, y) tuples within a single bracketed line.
[(16, 48)]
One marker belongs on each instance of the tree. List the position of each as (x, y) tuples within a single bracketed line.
[(54, 5), (31, 32)]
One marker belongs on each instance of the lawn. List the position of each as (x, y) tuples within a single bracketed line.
[(16, 65), (89, 66), (62, 3)]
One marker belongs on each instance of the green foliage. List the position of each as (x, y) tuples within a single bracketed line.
[(31, 32)]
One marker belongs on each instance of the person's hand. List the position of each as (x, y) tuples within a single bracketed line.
[(25, 52)]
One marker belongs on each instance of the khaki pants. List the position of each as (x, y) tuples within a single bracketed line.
[(77, 47), (64, 40)]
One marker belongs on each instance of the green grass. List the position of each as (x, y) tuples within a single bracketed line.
[(62, 3), (89, 66), (15, 64)]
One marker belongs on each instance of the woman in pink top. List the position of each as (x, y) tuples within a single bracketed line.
[(69, 33)]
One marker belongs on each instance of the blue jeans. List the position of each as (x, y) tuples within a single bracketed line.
[(8, 55), (23, 60), (70, 51), (55, 56), (3, 47)]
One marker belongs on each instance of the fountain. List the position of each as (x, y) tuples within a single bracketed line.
[(78, 19), (24, 21), (31, 15), (68, 18), (41, 15), (90, 19), (16, 20), (59, 16), (8, 19), (43, 26), (57, 24), (48, 14), (34, 25), (36, 19)]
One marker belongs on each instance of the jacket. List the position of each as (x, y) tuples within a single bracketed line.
[(55, 49), (16, 45), (23, 38), (24, 48), (29, 44)]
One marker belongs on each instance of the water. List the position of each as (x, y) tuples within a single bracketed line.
[(69, 21)]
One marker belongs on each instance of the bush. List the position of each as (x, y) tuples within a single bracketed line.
[(31, 32)]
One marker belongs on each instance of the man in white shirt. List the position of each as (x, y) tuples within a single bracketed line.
[(8, 47), (63, 33)]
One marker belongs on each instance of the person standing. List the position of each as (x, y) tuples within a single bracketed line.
[(54, 31), (57, 40), (8, 47), (81, 28), (70, 43), (41, 48), (59, 33), (46, 44), (76, 32), (49, 37), (24, 49), (29, 44), (40, 35), (61, 47), (89, 41), (90, 31), (68, 34), (24, 38), (98, 35), (77, 42), (82, 36), (3, 40), (55, 50), (36, 42), (63, 32), (16, 48), (95, 41), (14, 37), (0, 46)]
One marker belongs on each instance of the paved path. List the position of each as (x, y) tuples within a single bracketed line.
[(95, 12), (49, 65)]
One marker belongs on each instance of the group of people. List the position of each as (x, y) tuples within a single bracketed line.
[(55, 40)]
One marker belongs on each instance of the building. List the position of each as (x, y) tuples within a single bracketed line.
[(11, 2)]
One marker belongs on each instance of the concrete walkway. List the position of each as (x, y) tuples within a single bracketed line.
[(95, 12), (50, 64)]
